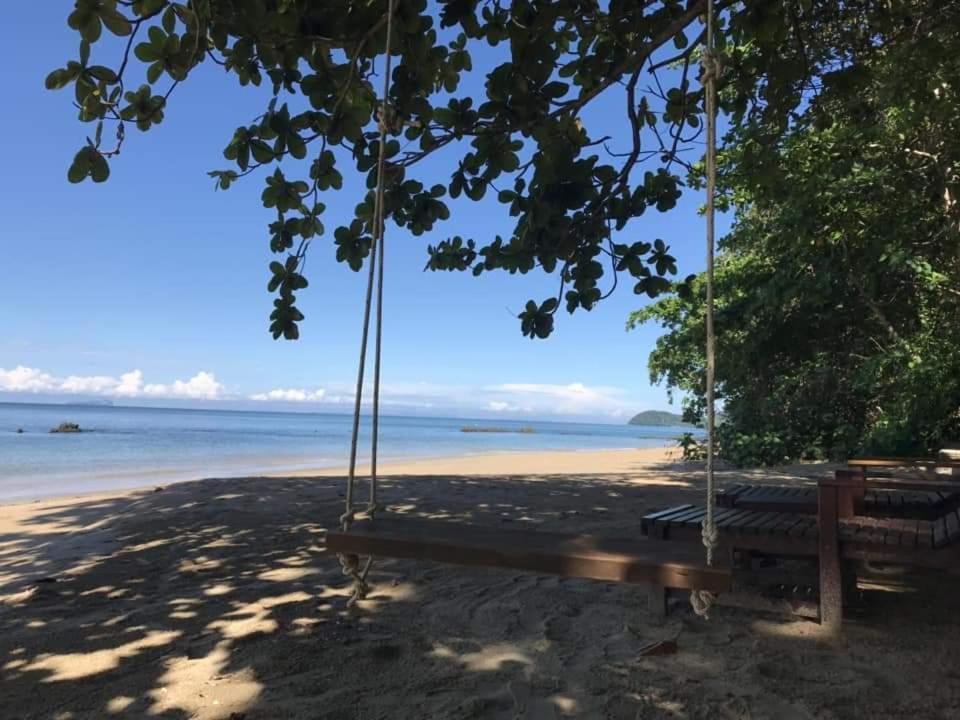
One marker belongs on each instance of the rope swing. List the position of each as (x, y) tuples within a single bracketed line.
[(702, 600), (351, 563)]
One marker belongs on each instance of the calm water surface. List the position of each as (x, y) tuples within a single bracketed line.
[(129, 447)]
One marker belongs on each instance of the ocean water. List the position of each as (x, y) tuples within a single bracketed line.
[(128, 447)]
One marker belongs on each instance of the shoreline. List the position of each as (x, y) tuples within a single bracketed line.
[(498, 462)]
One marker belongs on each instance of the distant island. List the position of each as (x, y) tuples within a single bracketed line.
[(476, 429), (90, 402), (657, 418)]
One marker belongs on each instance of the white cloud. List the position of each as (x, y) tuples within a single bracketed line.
[(24, 379), (290, 395), (202, 386), (555, 399), (130, 384)]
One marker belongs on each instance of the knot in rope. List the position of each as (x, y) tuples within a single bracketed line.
[(702, 601), (350, 565), (347, 519), (711, 538)]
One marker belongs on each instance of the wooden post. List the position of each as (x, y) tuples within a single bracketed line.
[(851, 493), (657, 600), (831, 575)]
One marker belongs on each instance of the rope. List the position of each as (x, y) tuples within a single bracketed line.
[(702, 600), (350, 564)]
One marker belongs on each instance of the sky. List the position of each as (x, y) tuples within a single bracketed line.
[(151, 288)]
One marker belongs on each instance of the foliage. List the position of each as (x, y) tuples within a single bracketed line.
[(693, 448), (838, 288), (524, 137)]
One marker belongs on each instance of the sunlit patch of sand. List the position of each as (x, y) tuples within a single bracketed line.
[(564, 704), (254, 618), (150, 545), (218, 590), (189, 683), (72, 666), (287, 574), (197, 565), (119, 704), (488, 659)]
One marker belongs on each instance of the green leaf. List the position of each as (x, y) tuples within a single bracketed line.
[(154, 72), (80, 167), (169, 20), (103, 74), (262, 152), (99, 167), (115, 22)]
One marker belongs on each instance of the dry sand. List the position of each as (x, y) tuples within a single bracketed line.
[(217, 599)]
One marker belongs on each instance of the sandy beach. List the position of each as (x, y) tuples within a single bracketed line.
[(216, 599)]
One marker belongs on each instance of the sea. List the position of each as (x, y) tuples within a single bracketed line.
[(127, 447)]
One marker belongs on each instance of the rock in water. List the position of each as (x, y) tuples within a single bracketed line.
[(19, 431), (66, 427)]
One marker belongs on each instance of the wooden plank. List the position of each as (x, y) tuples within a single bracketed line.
[(724, 514), (895, 462), (780, 501), (733, 519), (761, 517), (651, 517), (844, 478), (693, 512), (743, 523), (807, 527), (767, 528), (787, 521), (682, 519), (655, 525), (669, 565)]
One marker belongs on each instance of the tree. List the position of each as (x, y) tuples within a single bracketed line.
[(575, 196), (839, 285)]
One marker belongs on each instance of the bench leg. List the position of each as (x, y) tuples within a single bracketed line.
[(657, 600), (831, 573)]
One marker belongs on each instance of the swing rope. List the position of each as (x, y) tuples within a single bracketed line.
[(350, 564), (702, 600)]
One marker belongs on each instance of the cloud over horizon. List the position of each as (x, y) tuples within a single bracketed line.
[(515, 400), (290, 395), (22, 379)]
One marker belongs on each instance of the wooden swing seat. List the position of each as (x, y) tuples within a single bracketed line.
[(621, 560)]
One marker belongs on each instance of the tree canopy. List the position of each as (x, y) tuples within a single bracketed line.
[(838, 288), (576, 197)]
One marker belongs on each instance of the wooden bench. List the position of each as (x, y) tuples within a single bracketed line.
[(835, 535), (885, 500), (846, 536), (622, 560), (803, 499)]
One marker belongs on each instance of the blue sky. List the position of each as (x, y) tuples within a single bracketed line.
[(151, 287)]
